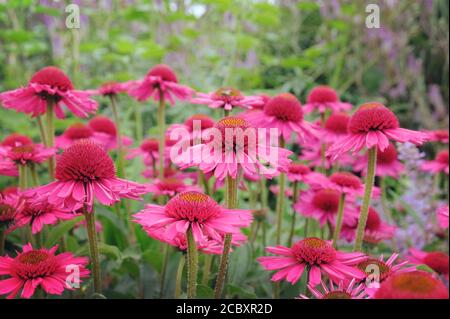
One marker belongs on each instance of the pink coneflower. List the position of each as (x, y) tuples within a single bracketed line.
[(10, 206), (412, 285), (442, 216), (283, 112), (275, 189), (196, 211), (73, 133), (335, 127), (315, 255), (439, 164), (343, 182), (37, 214), (27, 154), (438, 136), (16, 139), (322, 98), (33, 268), (49, 83), (149, 150), (160, 79), (436, 260), (298, 172), (373, 124), (375, 231), (230, 156), (85, 172), (351, 290), (105, 132), (195, 125), (322, 205), (170, 187), (228, 98), (114, 88), (387, 163)]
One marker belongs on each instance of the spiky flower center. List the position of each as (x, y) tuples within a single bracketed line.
[(150, 145), (35, 264), (164, 72), (84, 161), (415, 282), (16, 139), (78, 131), (373, 266), (442, 157), (314, 251), (337, 295), (373, 220), (337, 123), (346, 179), (437, 261), (298, 169), (322, 94), (372, 116), (326, 200), (204, 120), (285, 107), (170, 184), (193, 207), (53, 77), (388, 156), (227, 94), (103, 124)]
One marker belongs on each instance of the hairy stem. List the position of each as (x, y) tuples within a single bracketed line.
[(340, 217), (192, 255), (162, 130), (179, 277), (280, 202), (50, 137), (294, 213), (93, 249)]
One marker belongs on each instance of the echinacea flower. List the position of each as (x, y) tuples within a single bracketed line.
[(315, 255), (8, 167), (439, 164), (27, 154), (228, 98), (375, 231), (298, 172), (335, 127), (343, 182), (387, 163), (442, 216), (195, 125), (105, 132), (149, 150), (16, 139), (322, 205), (160, 79), (227, 155), (412, 285), (170, 187), (312, 153), (49, 83), (378, 270), (37, 214), (323, 98), (436, 260), (73, 133), (342, 290), (373, 124), (113, 88), (283, 112), (34, 268), (197, 211), (10, 206), (85, 172)]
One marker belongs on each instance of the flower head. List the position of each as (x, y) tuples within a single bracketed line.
[(235, 148), (160, 80), (49, 84), (73, 133), (33, 268), (297, 172), (207, 219), (335, 127), (316, 254), (412, 285), (149, 150), (373, 124), (170, 187), (16, 139), (322, 98), (436, 260), (228, 98), (105, 132), (283, 112), (351, 290), (442, 216), (387, 163), (10, 207), (27, 154), (85, 172)]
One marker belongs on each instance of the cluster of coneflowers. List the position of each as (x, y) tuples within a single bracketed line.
[(326, 170)]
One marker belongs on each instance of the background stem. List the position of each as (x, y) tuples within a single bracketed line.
[(340, 217), (93, 249), (192, 265)]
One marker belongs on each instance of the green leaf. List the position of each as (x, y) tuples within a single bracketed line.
[(234, 290), (57, 232), (40, 9), (104, 249), (425, 268), (205, 292)]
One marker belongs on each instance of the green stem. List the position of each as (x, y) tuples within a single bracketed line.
[(34, 175), (50, 137), (164, 269), (120, 159), (370, 179), (162, 136), (23, 177), (42, 130), (93, 249), (280, 202), (340, 217), (322, 146), (231, 202), (207, 269), (192, 265), (294, 213), (138, 123), (179, 277)]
